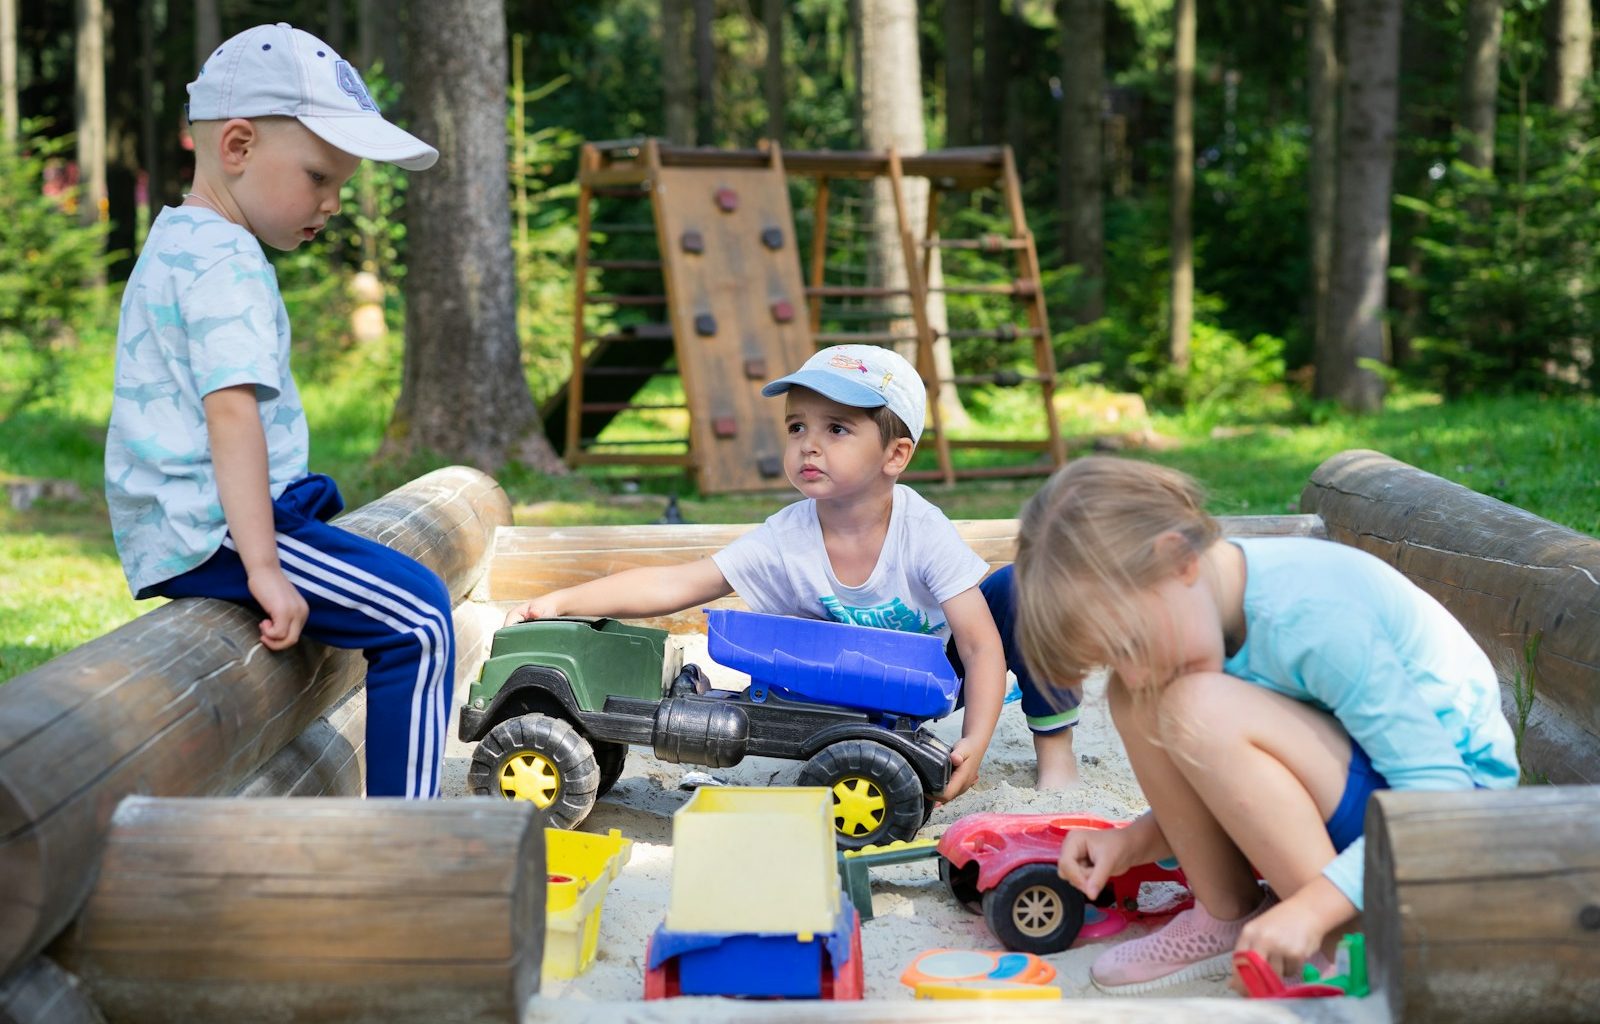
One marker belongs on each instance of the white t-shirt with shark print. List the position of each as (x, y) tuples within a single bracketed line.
[(201, 312), (781, 568)]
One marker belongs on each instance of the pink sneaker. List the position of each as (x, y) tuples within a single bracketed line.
[(1193, 946)]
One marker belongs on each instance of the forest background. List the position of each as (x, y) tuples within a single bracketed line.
[(1269, 221)]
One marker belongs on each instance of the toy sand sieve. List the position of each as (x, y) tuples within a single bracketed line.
[(754, 859)]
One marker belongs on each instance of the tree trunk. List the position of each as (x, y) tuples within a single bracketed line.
[(1322, 86), (149, 135), (1083, 43), (207, 31), (772, 78), (996, 72), (10, 112), (1480, 82), (891, 104), (91, 108), (333, 33), (677, 84), (1183, 16), (959, 18), (705, 66), (123, 118), (1369, 97), (463, 394), (1571, 32)]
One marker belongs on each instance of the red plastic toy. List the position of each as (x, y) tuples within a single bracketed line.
[(1262, 982), (1003, 866)]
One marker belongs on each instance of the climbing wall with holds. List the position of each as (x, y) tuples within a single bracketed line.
[(734, 293)]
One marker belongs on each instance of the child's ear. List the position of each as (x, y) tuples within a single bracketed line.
[(235, 142), (900, 451), (1173, 546)]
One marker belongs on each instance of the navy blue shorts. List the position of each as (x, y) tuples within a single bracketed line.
[(1048, 709), (1349, 818)]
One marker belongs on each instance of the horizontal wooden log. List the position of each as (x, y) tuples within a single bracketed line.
[(1485, 905), (1507, 574), (42, 992), (345, 910), (184, 701), (533, 560)]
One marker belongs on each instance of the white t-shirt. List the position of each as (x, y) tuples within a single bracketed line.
[(201, 312), (781, 568)]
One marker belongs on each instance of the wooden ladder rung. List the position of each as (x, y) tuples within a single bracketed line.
[(624, 229), (628, 406), (1003, 379), (625, 371), (840, 291), (988, 243), (625, 264), (862, 338), (1005, 332), (620, 192), (1023, 288), (653, 442), (626, 300)]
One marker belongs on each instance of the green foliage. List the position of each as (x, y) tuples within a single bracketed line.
[(1228, 379), (1522, 687), (50, 266), (1510, 284)]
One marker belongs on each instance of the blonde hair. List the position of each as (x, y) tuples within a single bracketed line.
[(1086, 549), (207, 133)]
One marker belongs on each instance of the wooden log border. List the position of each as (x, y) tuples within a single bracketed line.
[(531, 560), (1507, 574), (184, 701), (1484, 906), (340, 909)]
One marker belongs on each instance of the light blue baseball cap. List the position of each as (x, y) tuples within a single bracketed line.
[(864, 377)]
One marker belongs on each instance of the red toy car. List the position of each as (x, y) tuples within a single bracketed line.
[(1003, 866)]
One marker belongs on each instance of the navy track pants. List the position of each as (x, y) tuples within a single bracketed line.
[(365, 596)]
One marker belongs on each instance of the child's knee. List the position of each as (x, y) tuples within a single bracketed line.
[(1198, 712)]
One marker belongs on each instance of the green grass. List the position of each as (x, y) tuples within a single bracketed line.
[(60, 583)]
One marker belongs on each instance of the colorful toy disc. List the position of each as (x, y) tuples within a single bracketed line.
[(962, 966), (987, 988)]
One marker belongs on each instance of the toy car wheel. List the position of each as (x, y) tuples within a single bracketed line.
[(610, 757), (540, 759), (877, 796), (963, 883), (1034, 910)]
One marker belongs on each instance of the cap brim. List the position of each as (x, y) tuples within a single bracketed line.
[(834, 386), (373, 138)]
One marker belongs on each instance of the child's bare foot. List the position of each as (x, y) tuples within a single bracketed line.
[(1058, 763)]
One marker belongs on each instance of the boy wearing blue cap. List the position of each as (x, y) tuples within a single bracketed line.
[(207, 475), (861, 548)]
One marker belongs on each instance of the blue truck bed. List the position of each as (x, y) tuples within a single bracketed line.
[(875, 670)]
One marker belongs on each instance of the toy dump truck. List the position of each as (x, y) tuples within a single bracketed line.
[(559, 702)]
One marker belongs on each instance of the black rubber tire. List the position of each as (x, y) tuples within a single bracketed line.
[(610, 757), (963, 883), (1034, 910), (538, 743), (880, 776)]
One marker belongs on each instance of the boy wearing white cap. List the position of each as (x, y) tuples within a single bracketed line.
[(207, 451), (861, 548)]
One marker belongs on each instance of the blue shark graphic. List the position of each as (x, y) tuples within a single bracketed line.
[(180, 261), (144, 394)]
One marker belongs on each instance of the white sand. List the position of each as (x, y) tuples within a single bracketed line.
[(913, 909)]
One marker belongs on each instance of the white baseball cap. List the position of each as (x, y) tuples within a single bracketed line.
[(863, 376), (279, 70)]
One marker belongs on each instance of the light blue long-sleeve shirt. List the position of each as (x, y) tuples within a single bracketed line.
[(1339, 629)]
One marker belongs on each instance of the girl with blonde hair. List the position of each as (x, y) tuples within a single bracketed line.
[(1263, 687)]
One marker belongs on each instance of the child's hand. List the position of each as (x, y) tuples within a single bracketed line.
[(285, 606), (1090, 857), (538, 608), (964, 760), (1285, 936)]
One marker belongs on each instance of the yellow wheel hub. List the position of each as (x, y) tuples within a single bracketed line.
[(1037, 911), (858, 806), (530, 776)]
